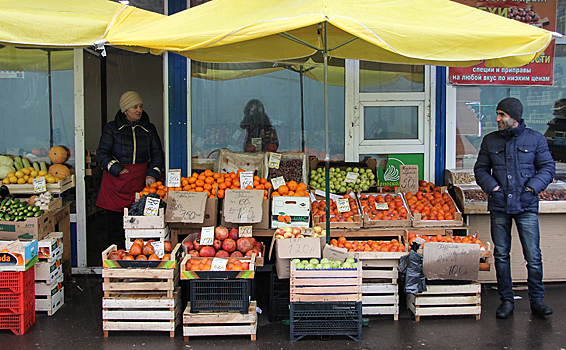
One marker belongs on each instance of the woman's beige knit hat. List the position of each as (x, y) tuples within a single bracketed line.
[(128, 100)]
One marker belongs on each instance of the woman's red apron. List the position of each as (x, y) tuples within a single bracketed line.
[(117, 193)]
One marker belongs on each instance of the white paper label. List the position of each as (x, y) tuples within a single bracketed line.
[(274, 160), (159, 248), (246, 179), (256, 141), (381, 206), (343, 205), (174, 179), (305, 231), (207, 235), (151, 206), (218, 264), (39, 185), (245, 231), (351, 177), (277, 182)]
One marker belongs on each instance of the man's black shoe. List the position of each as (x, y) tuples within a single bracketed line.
[(540, 308), (505, 309)]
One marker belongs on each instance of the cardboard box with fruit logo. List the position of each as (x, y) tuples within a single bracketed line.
[(17, 255), (51, 247), (31, 228)]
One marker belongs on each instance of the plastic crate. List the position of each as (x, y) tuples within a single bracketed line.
[(326, 319), (279, 297), (12, 282), (16, 303), (19, 324), (220, 295)]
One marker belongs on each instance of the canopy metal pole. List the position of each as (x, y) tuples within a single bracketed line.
[(326, 141), (302, 111), (50, 98)]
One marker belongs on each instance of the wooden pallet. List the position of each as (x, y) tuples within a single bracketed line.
[(141, 312), (326, 285), (380, 299), (382, 266), (140, 280), (220, 323), (447, 299)]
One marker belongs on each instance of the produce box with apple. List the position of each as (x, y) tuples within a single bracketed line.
[(324, 280), (343, 176)]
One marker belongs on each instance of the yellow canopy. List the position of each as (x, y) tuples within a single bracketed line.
[(438, 32), (65, 23)]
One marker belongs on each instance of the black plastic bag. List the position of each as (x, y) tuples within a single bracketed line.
[(411, 271)]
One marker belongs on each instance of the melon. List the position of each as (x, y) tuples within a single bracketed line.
[(60, 171), (58, 154)]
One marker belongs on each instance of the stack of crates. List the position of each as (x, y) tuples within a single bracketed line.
[(279, 298), (17, 300), (49, 277)]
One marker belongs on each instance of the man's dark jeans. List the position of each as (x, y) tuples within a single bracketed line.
[(528, 228)]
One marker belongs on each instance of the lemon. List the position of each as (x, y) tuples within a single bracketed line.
[(34, 173), (21, 181), (26, 171), (6, 181), (51, 179), (30, 180), (19, 174), (11, 173), (13, 179), (26, 177), (42, 172)]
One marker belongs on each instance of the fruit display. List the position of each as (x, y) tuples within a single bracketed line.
[(469, 239), (325, 264), (226, 244), (141, 250), (295, 232), (318, 208), (23, 172), (368, 246), (139, 205), (396, 208), (433, 205), (204, 264), (290, 169), (12, 209), (338, 181), (474, 195), (291, 188)]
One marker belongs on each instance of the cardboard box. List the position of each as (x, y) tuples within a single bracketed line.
[(358, 222), (32, 228), (17, 255), (52, 302), (288, 249), (144, 221), (44, 289), (451, 261), (51, 247), (210, 217), (48, 271), (296, 209), (245, 208)]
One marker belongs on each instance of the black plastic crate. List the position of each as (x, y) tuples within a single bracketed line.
[(220, 295), (279, 297), (326, 319)]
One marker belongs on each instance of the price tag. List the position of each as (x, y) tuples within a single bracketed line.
[(343, 205), (277, 182), (39, 185), (236, 135), (174, 178), (305, 231), (409, 179), (246, 179), (256, 141), (274, 160), (218, 264), (151, 206), (381, 206), (207, 235), (245, 231), (351, 177)]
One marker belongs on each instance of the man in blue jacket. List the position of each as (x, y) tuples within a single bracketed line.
[(514, 165)]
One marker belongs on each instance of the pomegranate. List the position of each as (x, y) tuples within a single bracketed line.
[(237, 254), (166, 257), (249, 253), (244, 244), (217, 244), (207, 251), (234, 234), (141, 257), (189, 245), (222, 254), (197, 244), (114, 256), (221, 233), (258, 245), (148, 249), (229, 245), (153, 257), (135, 249), (121, 252), (194, 253), (127, 257), (257, 252), (167, 246)]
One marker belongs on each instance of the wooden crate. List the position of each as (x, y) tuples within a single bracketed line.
[(141, 312), (49, 297), (55, 188), (446, 300), (220, 323), (326, 285), (386, 223), (457, 222), (144, 222), (380, 299)]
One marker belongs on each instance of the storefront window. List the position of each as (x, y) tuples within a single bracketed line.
[(37, 106), (390, 123), (386, 77), (292, 101)]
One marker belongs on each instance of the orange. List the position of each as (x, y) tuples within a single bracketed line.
[(154, 185), (283, 190), (220, 193), (208, 172), (209, 180), (303, 186), (192, 180), (292, 185), (199, 183)]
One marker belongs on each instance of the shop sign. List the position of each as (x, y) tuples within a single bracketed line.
[(388, 169), (537, 73), (9, 74)]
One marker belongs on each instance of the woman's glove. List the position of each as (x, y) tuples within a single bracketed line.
[(149, 180)]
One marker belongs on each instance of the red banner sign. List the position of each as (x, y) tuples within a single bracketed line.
[(540, 13)]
